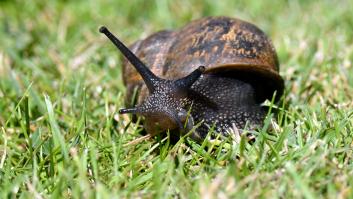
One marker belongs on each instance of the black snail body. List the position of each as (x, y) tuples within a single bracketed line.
[(215, 72)]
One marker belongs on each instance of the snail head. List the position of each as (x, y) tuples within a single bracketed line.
[(164, 109)]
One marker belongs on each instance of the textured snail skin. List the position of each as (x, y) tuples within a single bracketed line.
[(232, 102), (241, 72)]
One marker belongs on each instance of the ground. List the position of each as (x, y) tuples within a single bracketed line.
[(61, 88)]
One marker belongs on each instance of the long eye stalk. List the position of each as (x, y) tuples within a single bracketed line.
[(149, 78)]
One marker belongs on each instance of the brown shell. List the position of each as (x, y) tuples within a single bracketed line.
[(218, 43)]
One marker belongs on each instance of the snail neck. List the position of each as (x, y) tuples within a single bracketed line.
[(223, 102)]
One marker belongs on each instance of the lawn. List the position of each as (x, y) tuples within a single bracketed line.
[(61, 88)]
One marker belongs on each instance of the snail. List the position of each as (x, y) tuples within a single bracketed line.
[(215, 72)]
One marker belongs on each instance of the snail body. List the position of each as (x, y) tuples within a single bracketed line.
[(215, 72)]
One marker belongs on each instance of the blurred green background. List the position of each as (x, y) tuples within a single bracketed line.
[(53, 57)]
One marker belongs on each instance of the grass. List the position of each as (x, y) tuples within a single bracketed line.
[(61, 87)]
